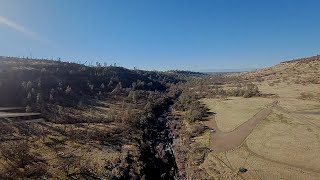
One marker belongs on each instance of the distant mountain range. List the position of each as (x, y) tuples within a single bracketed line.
[(227, 70)]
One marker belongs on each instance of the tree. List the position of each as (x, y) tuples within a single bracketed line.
[(39, 98), (91, 86), (60, 109), (29, 96), (29, 84), (117, 89), (134, 85), (50, 97), (110, 83), (28, 109), (24, 85), (148, 106), (132, 96), (102, 86), (68, 90), (193, 115)]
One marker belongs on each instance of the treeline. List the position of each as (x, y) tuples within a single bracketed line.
[(189, 112), (191, 106), (221, 86), (246, 90), (36, 83)]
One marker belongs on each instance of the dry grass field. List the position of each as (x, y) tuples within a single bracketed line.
[(234, 111), (285, 144), (282, 146), (280, 137)]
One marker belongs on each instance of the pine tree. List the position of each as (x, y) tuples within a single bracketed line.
[(50, 97), (29, 84), (29, 96), (68, 90), (102, 86), (38, 98)]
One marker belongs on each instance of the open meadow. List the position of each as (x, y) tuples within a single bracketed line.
[(284, 145)]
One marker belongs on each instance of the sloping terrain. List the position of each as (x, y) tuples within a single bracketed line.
[(22, 80), (300, 71), (107, 122), (97, 122), (283, 142)]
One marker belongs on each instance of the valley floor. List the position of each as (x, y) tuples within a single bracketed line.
[(277, 140)]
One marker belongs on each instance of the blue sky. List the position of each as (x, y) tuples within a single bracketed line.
[(162, 34)]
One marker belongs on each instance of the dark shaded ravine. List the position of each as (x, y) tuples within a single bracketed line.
[(157, 153)]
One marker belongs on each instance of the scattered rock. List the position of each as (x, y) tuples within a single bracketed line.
[(243, 170)]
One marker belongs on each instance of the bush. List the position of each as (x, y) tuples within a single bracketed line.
[(196, 130)]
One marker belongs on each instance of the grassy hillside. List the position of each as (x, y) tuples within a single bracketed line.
[(299, 71), (290, 88)]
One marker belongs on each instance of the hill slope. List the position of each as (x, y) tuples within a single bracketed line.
[(300, 71), (98, 122), (24, 81)]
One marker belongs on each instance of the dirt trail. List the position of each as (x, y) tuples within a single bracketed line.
[(12, 115), (299, 116), (11, 108), (279, 162), (223, 141)]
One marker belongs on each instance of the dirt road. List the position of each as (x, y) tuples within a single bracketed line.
[(11, 108), (13, 115), (223, 141)]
